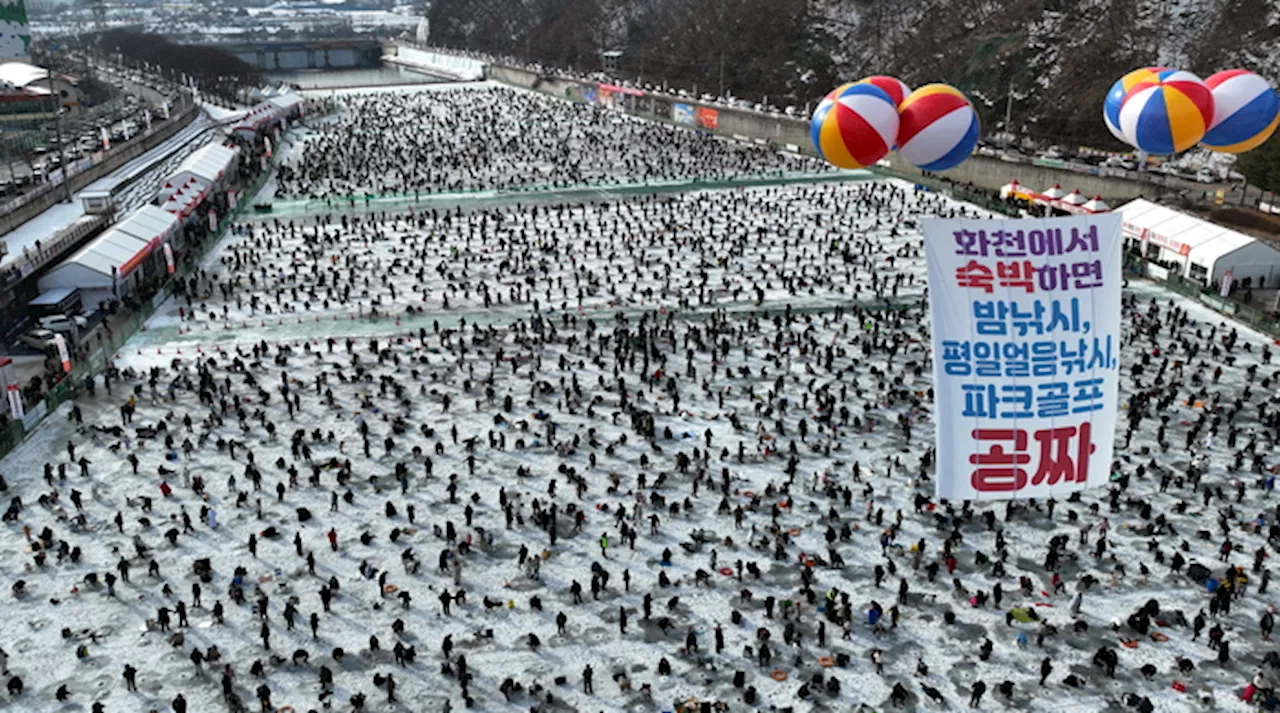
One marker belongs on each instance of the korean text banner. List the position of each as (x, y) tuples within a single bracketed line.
[(1026, 341)]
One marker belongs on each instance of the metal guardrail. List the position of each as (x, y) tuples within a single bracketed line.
[(30, 261), (1266, 322)]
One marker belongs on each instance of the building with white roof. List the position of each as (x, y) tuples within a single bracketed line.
[(1198, 249)]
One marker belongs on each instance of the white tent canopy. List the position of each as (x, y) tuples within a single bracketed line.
[(122, 247), (289, 104), (210, 164), (1055, 193), (1075, 198), (1096, 205), (1204, 251)]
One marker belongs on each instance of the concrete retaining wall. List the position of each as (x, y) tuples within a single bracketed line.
[(792, 133), (118, 158), (992, 173), (438, 63)]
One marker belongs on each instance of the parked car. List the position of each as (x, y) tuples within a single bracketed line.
[(41, 339), (1206, 176), (63, 324)]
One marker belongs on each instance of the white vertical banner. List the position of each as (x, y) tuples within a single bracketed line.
[(1227, 278), (63, 355), (106, 140), (266, 140), (15, 402), (146, 117), (213, 221), (1025, 317), (168, 259), (231, 199)]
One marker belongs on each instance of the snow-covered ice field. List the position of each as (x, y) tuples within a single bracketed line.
[(781, 443)]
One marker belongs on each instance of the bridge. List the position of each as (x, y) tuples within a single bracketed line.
[(308, 54)]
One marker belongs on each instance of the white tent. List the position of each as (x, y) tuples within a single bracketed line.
[(290, 105), (1203, 251), (1016, 190), (213, 165), (1074, 198), (123, 247), (1096, 205), (1051, 196)]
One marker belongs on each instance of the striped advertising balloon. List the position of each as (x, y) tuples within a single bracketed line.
[(1120, 90), (939, 128), (1168, 114), (854, 126), (1246, 111), (894, 87)]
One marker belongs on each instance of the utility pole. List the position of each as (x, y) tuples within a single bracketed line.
[(721, 73), (1008, 117), (57, 127)]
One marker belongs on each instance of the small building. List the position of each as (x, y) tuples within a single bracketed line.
[(114, 263), (99, 197), (1195, 248), (33, 80)]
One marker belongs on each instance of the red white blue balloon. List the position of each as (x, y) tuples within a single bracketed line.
[(1168, 114), (1120, 91), (854, 126), (939, 128), (1246, 111)]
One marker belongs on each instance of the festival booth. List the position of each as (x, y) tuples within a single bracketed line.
[(1017, 191), (1096, 205), (114, 263), (1050, 197), (259, 120), (1198, 249), (213, 165), (184, 201), (290, 105)]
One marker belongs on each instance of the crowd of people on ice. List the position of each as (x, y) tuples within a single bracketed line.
[(711, 490), (499, 138), (696, 250)]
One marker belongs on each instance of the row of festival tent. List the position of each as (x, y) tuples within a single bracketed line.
[(1074, 202)]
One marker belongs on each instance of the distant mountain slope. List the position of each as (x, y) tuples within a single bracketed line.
[(1058, 57)]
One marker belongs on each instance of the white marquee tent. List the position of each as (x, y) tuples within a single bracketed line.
[(212, 165), (1203, 251), (123, 247)]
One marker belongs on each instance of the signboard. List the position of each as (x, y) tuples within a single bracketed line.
[(1227, 278), (682, 114), (168, 258), (661, 108), (621, 90), (1026, 345), (213, 221), (708, 118), (1147, 235)]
